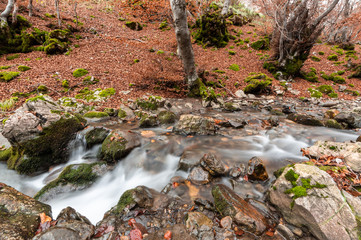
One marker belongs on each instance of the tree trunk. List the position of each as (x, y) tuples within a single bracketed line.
[(184, 40), (15, 13), (225, 7), (30, 7), (58, 12), (5, 14)]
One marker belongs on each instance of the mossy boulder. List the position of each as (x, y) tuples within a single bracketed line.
[(8, 76), (148, 120), (19, 214), (257, 83), (125, 113), (332, 123), (74, 177), (96, 136), (211, 30), (61, 35), (306, 119), (262, 44), (118, 144), (23, 68), (152, 103), (134, 25), (55, 46), (357, 73), (96, 114), (5, 154), (166, 117), (40, 132)]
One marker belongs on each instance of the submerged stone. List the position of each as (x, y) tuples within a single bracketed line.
[(257, 170)]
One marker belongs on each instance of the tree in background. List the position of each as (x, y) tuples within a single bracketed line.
[(297, 24), (185, 48)]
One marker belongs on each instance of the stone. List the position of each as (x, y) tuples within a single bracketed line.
[(237, 123), (256, 170), (308, 197), (288, 109), (118, 144), (19, 214), (166, 117), (358, 139), (228, 203), (342, 88), (305, 119), (96, 136), (74, 177), (125, 113), (348, 151), (226, 222), (351, 119), (189, 124), (59, 233), (195, 220), (188, 160), (148, 120), (285, 232), (199, 176), (70, 213), (213, 165), (274, 121)]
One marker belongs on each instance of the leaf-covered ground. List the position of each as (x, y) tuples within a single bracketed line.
[(122, 58)]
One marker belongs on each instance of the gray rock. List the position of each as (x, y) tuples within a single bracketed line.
[(306, 119), (196, 220), (195, 125), (348, 151), (212, 164), (352, 119), (320, 208), (96, 136), (240, 94), (125, 113), (59, 233), (199, 176)]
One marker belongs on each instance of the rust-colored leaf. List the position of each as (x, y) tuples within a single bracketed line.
[(168, 235), (135, 234)]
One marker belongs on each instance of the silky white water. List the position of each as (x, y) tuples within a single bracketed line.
[(153, 164)]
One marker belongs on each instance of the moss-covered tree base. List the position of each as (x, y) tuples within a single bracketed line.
[(291, 68)]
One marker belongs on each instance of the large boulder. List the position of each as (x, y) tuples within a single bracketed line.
[(351, 119), (306, 119), (39, 133), (74, 177), (189, 124), (350, 152), (96, 136), (308, 197), (19, 214), (118, 144)]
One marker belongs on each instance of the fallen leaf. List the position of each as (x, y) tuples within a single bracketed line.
[(135, 234), (168, 235)]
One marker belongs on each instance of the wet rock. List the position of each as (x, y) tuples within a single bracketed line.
[(187, 161), (148, 120), (226, 222), (257, 170), (274, 121), (195, 220), (212, 164), (285, 232), (237, 172), (195, 125), (332, 123), (358, 139), (40, 133), (19, 214), (330, 104), (166, 117), (288, 109), (240, 94), (179, 232), (308, 197), (237, 123), (348, 151), (96, 136), (66, 231), (232, 106), (74, 177), (306, 119), (199, 176), (70, 213), (118, 144), (125, 113), (228, 203), (351, 119)]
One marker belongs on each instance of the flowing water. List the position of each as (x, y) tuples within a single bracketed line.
[(155, 162)]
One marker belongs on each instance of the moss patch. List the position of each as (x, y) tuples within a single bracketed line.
[(107, 92), (166, 117), (23, 68), (125, 200), (134, 25), (95, 114), (80, 72), (257, 83), (8, 76), (234, 67), (5, 154)]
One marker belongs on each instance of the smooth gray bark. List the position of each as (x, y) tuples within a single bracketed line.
[(225, 7), (5, 14), (184, 40), (30, 7), (58, 12)]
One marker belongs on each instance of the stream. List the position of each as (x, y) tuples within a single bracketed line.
[(156, 161)]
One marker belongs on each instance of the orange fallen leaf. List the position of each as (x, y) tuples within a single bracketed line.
[(168, 235), (44, 218)]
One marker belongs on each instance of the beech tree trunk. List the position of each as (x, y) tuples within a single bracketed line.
[(58, 12), (30, 7), (15, 13), (184, 40), (5, 14), (225, 7)]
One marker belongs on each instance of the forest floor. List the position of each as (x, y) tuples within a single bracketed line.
[(122, 58)]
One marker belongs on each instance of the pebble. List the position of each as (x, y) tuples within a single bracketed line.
[(226, 222)]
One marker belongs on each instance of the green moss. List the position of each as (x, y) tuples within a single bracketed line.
[(234, 67), (262, 44), (279, 172), (78, 174), (333, 57), (42, 89), (166, 117), (12, 57), (341, 72), (292, 176), (23, 68), (8, 76), (4, 67), (125, 200), (5, 154), (315, 93), (134, 25), (80, 72), (94, 114), (321, 53), (107, 92), (354, 93), (218, 71), (55, 46), (231, 52), (122, 114), (136, 61), (257, 83), (48, 15), (160, 52), (65, 84), (339, 79), (35, 99), (326, 89), (333, 95), (163, 25), (310, 76), (315, 59), (90, 80)]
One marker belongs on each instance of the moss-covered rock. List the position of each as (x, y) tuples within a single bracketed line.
[(262, 44), (96, 136), (61, 35), (80, 72), (310, 76), (211, 30), (5, 154), (118, 144), (55, 46), (152, 103), (148, 120), (134, 25), (23, 68), (8, 76), (72, 178), (332, 123), (257, 83), (95, 114), (305, 119), (166, 117)]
